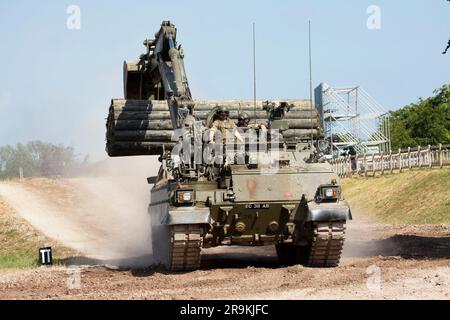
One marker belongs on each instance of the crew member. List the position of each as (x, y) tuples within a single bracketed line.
[(244, 122), (224, 124)]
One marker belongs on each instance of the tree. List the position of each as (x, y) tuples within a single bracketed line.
[(38, 158), (423, 123)]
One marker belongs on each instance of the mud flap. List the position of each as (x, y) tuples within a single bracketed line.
[(323, 212), (187, 216)]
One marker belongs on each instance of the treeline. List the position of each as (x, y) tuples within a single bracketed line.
[(39, 159), (426, 122)]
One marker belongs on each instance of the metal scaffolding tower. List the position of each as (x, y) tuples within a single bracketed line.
[(351, 117)]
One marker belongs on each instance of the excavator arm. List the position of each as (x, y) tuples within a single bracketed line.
[(160, 74), (169, 58)]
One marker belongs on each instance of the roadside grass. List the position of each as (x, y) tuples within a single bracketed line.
[(410, 197), (20, 242)]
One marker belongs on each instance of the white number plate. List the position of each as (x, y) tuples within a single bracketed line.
[(257, 206)]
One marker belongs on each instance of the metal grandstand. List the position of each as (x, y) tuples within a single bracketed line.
[(351, 117)]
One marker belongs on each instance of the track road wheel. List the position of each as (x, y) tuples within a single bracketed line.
[(185, 246), (326, 246)]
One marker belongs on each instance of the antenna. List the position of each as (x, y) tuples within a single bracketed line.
[(310, 82), (254, 74)]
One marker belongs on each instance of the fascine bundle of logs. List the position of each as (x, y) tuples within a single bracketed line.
[(142, 127)]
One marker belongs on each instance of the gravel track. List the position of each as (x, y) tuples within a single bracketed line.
[(379, 261)]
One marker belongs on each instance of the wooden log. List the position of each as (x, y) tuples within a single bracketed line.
[(300, 133), (143, 135), (301, 114), (140, 115), (165, 115), (166, 135), (139, 127), (143, 125), (139, 105), (248, 104), (202, 105), (260, 114), (303, 123), (166, 124), (151, 125), (130, 148)]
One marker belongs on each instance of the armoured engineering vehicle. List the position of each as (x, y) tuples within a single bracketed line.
[(268, 187)]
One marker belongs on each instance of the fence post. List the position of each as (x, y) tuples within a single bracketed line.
[(349, 167), (441, 162), (373, 164), (382, 162), (399, 160), (409, 157), (365, 164), (344, 166), (430, 157), (419, 162), (391, 169)]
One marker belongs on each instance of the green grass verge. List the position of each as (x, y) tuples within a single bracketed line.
[(20, 242), (17, 260), (410, 197)]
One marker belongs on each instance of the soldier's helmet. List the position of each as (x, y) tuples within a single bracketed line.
[(222, 109), (222, 113), (243, 116)]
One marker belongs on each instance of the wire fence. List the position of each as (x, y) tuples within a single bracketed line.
[(388, 163)]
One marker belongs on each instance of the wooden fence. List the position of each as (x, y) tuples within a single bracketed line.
[(384, 163)]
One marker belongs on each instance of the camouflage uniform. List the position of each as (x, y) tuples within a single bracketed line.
[(244, 122), (254, 126), (225, 127)]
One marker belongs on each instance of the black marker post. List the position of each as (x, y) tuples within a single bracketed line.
[(45, 256)]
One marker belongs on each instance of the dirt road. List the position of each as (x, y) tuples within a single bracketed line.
[(380, 261)]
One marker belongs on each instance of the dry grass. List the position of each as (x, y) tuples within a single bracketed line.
[(58, 192), (410, 197), (20, 242)]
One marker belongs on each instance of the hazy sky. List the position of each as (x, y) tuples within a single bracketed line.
[(56, 83)]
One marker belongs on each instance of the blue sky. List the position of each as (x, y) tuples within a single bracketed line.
[(56, 83)]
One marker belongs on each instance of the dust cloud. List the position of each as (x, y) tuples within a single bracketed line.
[(102, 215), (115, 198), (364, 237)]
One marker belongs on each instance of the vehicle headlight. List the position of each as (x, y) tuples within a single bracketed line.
[(328, 192), (185, 196)]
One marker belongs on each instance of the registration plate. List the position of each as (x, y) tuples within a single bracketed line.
[(257, 206)]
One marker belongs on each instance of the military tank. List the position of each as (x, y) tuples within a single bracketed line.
[(270, 187)]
